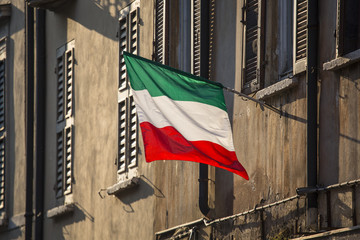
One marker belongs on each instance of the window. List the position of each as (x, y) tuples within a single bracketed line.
[(172, 33), (348, 26), (2, 125), (290, 19), (300, 35), (127, 121), (64, 122), (195, 37), (161, 35), (253, 43), (186, 48), (285, 38)]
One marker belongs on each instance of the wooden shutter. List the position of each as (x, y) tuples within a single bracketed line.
[(195, 36), (127, 138), (130, 109), (161, 31), (211, 37), (64, 162), (65, 96), (60, 87), (133, 143), (127, 124), (128, 40), (2, 172), (133, 28), (68, 160), (339, 28), (65, 76), (69, 62), (122, 136), (2, 95), (122, 46), (2, 132), (59, 164), (253, 69), (300, 30), (2, 123)]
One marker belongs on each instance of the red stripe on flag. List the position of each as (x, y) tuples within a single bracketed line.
[(168, 144)]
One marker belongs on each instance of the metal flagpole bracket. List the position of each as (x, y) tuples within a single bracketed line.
[(260, 102)]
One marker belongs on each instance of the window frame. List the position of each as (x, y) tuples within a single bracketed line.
[(299, 63), (64, 121), (340, 21), (256, 83), (3, 129), (128, 139), (161, 34), (286, 42), (194, 51)]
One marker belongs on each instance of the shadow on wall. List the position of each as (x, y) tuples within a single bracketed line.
[(224, 196), (144, 190), (284, 219), (100, 16), (78, 215), (18, 24), (14, 71)]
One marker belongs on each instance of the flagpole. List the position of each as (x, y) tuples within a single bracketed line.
[(262, 103)]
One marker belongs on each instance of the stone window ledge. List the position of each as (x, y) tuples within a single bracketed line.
[(341, 62), (123, 185), (60, 210), (276, 88)]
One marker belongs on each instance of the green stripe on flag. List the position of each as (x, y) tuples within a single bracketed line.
[(161, 80)]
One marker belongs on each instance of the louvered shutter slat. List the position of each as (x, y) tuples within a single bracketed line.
[(122, 136), (134, 30), (2, 173), (159, 23), (60, 170), (160, 41), (196, 38), (301, 29), (60, 89), (2, 94), (254, 45), (68, 163), (123, 47), (133, 134), (251, 38), (126, 107), (69, 81)]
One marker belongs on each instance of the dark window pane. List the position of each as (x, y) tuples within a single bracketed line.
[(351, 26)]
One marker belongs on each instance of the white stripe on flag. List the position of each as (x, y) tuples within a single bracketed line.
[(195, 121)]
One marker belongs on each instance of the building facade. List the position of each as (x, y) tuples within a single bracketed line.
[(83, 174)]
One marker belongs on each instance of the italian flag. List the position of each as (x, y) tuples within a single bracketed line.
[(182, 116)]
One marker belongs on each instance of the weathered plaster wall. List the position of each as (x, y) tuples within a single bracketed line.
[(13, 28), (271, 147), (94, 25)]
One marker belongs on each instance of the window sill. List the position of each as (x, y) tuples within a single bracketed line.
[(123, 185), (60, 211), (341, 62), (276, 88)]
